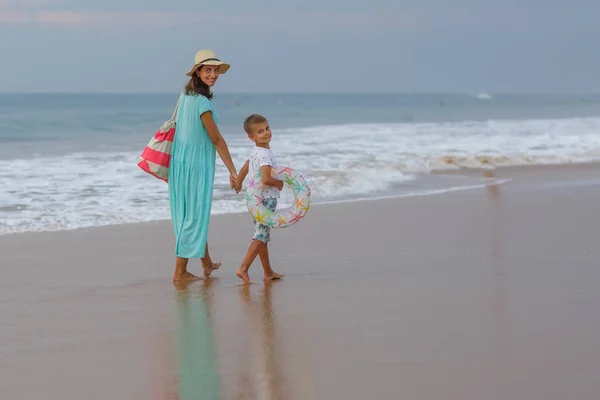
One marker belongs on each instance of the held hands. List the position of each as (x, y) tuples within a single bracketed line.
[(237, 186), (239, 179), (233, 181)]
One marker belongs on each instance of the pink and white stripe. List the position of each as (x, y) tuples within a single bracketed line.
[(156, 157)]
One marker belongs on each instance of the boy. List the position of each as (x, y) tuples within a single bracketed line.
[(263, 159)]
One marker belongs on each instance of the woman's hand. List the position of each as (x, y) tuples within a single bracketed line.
[(238, 185), (241, 176), (233, 177)]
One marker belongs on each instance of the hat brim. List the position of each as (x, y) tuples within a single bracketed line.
[(223, 67)]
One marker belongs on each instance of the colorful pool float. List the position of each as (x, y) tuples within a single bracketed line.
[(287, 216)]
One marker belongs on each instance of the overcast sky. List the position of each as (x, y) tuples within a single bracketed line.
[(303, 45)]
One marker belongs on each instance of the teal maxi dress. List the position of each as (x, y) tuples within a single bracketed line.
[(191, 177)]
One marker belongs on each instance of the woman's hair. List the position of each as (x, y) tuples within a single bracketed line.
[(196, 87)]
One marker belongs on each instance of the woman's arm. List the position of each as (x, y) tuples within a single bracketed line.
[(268, 180), (218, 141)]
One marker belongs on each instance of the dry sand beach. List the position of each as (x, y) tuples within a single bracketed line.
[(488, 293)]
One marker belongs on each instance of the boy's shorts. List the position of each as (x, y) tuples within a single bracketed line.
[(263, 232)]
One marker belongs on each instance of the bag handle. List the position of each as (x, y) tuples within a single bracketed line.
[(176, 108)]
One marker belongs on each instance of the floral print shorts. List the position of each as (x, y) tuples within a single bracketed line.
[(263, 232)]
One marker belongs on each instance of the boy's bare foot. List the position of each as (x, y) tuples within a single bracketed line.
[(185, 276), (210, 269), (272, 277), (243, 275)]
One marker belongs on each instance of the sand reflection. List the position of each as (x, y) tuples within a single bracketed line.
[(239, 347), (197, 369), (260, 372), (498, 288)]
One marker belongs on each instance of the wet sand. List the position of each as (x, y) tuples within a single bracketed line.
[(483, 294)]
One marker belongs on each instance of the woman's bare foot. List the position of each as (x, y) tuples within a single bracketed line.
[(243, 275), (273, 276), (185, 276), (210, 269)]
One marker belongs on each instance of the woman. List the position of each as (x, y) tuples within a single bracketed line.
[(192, 168)]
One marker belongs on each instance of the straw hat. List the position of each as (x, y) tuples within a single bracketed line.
[(207, 57)]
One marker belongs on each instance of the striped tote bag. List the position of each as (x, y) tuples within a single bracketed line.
[(156, 157)]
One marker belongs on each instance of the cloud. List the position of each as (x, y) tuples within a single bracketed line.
[(14, 17), (20, 4), (23, 11), (100, 18), (72, 18), (302, 23), (39, 3)]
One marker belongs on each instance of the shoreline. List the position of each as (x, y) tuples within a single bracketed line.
[(432, 192), (503, 175)]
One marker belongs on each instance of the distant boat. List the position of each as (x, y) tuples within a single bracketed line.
[(483, 96)]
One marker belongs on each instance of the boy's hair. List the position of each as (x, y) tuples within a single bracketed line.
[(251, 120)]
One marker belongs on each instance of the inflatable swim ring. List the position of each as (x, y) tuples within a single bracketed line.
[(280, 218)]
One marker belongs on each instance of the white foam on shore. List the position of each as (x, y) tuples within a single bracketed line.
[(430, 192), (236, 207), (339, 162)]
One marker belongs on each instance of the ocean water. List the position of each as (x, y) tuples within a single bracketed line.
[(69, 160)]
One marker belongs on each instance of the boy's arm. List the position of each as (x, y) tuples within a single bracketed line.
[(244, 171), (241, 176), (268, 180)]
